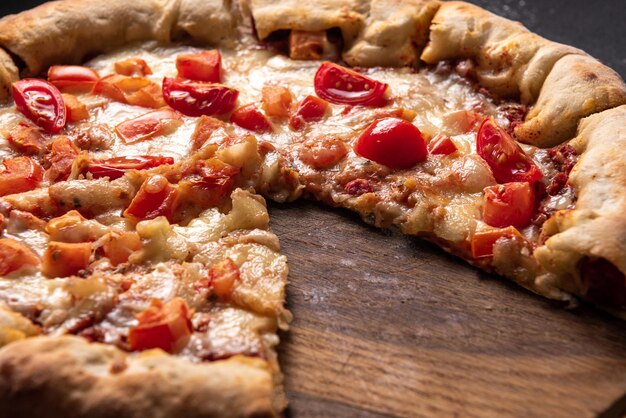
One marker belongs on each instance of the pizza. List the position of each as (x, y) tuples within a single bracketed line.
[(139, 276)]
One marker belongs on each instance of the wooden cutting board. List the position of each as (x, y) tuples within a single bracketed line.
[(387, 325)]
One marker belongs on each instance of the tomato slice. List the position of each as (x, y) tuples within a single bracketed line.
[(63, 259), (63, 152), (276, 101), (27, 139), (148, 125), (223, 277), (76, 110), (163, 325), (214, 180), (442, 145), (507, 160), (20, 174), (115, 167), (483, 241), (40, 102), (393, 142), (251, 118), (203, 66), (14, 255), (197, 99), (136, 91), (509, 204), (310, 109), (205, 128), (156, 197), (133, 67), (74, 78), (341, 85)]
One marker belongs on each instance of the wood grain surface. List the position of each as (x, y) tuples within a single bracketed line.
[(387, 325)]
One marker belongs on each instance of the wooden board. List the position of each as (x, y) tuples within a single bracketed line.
[(387, 325)]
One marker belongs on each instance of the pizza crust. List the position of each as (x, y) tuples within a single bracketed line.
[(8, 74), (208, 21), (69, 377)]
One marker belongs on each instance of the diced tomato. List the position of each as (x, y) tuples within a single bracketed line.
[(213, 181), (306, 45), (14, 255), (310, 109), (251, 118), (63, 259), (276, 101), (442, 145), (505, 157), (149, 125), (197, 99), (203, 66), (40, 102), (392, 142), (20, 174), (73, 78), (223, 277), (76, 110), (120, 245), (322, 152), (508, 204), (137, 91), (163, 325), (358, 187), (27, 139), (483, 241), (63, 152), (395, 112), (156, 197), (115, 167), (341, 85), (133, 67), (204, 130)]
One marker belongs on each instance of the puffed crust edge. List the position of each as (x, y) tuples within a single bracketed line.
[(68, 377)]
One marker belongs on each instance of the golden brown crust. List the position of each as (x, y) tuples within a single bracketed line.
[(68, 31), (69, 377), (208, 21), (577, 86), (8, 74), (596, 227)]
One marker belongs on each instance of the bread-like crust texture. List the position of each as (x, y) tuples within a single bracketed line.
[(8, 74), (596, 227), (577, 86), (68, 31), (348, 15), (394, 33), (208, 21), (67, 377)]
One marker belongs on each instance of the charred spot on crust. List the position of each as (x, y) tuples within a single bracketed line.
[(603, 283)]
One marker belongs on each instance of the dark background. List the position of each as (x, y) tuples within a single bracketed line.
[(598, 27)]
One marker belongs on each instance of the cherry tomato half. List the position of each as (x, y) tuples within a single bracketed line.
[(393, 142), (341, 85), (251, 118), (508, 204), (203, 66), (114, 168), (20, 174), (40, 102), (197, 99), (73, 77), (310, 109), (505, 157)]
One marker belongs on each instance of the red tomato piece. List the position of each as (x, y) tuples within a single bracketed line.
[(156, 197), (322, 152), (276, 101), (73, 78), (76, 110), (213, 181), (505, 157), (40, 102), (197, 99), (14, 255), (136, 91), (63, 152), (149, 125), (20, 174), (223, 277), (133, 67), (310, 109), (204, 130), (203, 66), (63, 259), (27, 139), (392, 142), (509, 204), (341, 85), (115, 167), (120, 246), (483, 241), (442, 145), (251, 118), (163, 325)]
